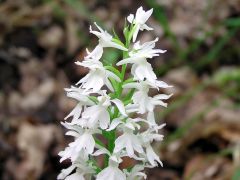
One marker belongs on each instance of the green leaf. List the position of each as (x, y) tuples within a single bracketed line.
[(126, 31), (115, 35), (130, 34), (129, 80), (233, 22), (115, 85), (236, 175), (118, 41), (114, 70), (110, 56), (106, 134), (128, 97), (127, 102), (93, 98)]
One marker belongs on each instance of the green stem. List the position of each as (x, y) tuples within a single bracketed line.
[(111, 136), (111, 143)]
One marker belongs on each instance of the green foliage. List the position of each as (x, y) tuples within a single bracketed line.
[(236, 175), (110, 56)]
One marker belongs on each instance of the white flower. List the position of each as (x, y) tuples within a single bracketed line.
[(96, 53), (112, 172), (78, 94), (114, 158), (145, 50), (147, 137), (96, 114), (105, 39), (146, 85), (65, 172), (152, 134), (81, 171), (81, 166), (75, 113), (99, 113), (97, 77), (139, 20), (128, 141), (82, 97), (83, 141), (136, 173), (120, 106), (152, 156), (123, 122), (69, 153), (141, 98), (151, 119), (141, 69)]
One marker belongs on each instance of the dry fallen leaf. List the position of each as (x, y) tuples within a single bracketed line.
[(39, 96), (33, 142), (207, 168), (51, 38)]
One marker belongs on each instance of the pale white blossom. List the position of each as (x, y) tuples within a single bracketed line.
[(128, 141), (96, 54), (95, 115), (112, 172), (145, 50), (141, 69), (84, 141), (152, 157), (123, 122), (98, 114), (141, 99), (97, 76), (136, 173), (148, 137), (146, 103), (83, 100), (78, 175), (139, 20), (65, 172), (81, 166), (105, 39), (146, 85)]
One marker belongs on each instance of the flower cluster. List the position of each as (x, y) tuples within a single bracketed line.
[(106, 103)]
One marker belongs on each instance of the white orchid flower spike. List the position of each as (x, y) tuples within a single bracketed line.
[(114, 113)]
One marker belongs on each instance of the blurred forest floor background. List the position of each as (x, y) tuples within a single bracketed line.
[(40, 40)]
